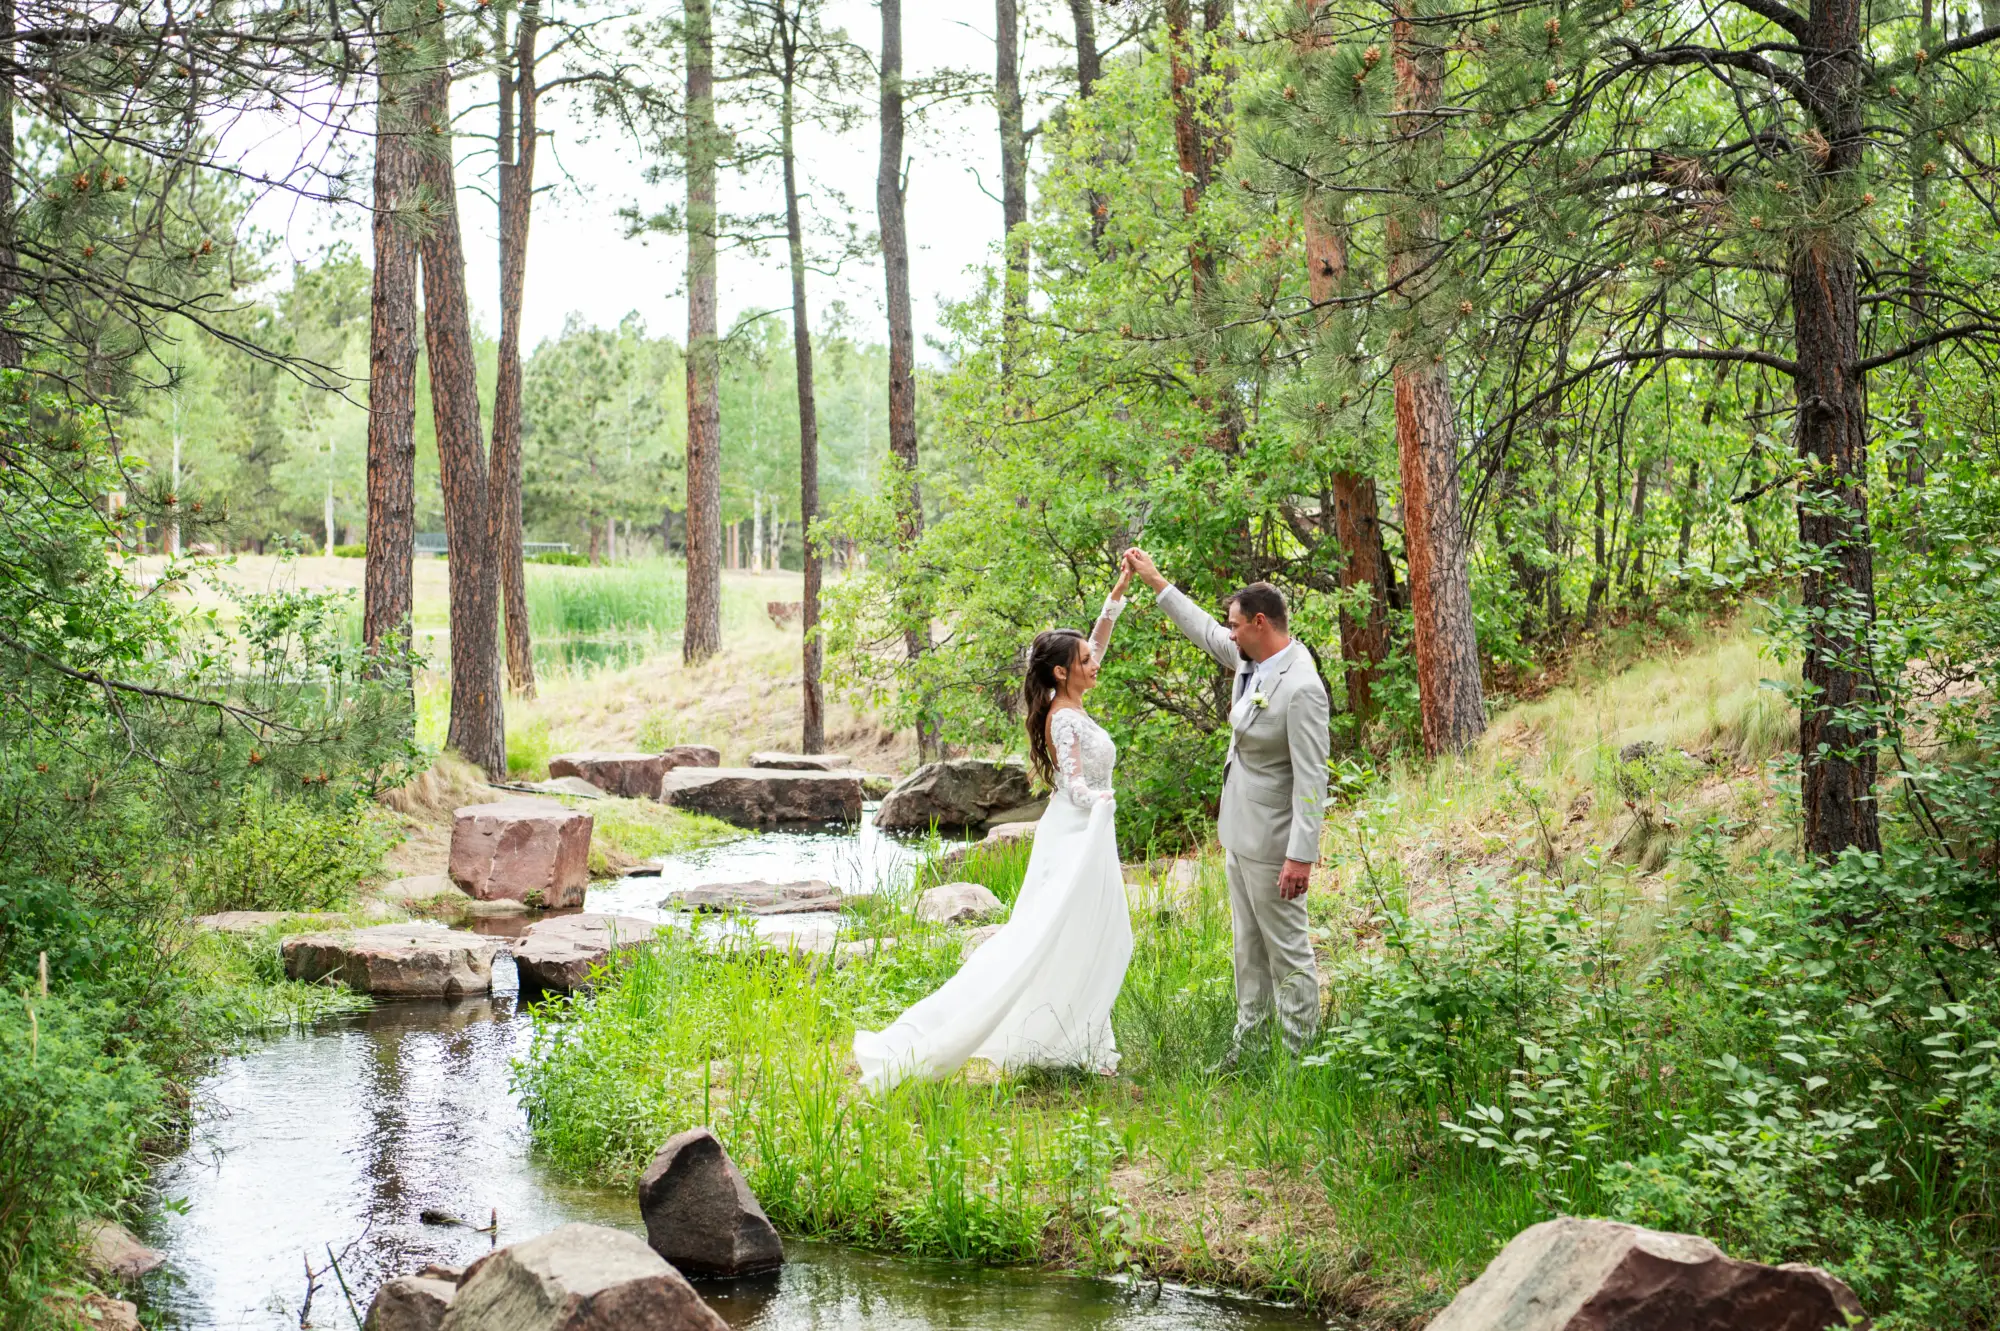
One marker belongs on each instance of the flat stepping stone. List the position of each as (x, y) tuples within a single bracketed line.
[(764, 796), (395, 960), (527, 850), (574, 786), (421, 888), (799, 898), (558, 955), (800, 762), (632, 776), (578, 1278)]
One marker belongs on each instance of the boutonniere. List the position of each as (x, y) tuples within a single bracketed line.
[(1258, 700)]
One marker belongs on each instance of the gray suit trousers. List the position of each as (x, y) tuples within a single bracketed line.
[(1274, 956)]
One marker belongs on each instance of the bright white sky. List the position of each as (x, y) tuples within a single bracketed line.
[(579, 260)]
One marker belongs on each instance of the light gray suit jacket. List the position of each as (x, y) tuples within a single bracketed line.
[(1274, 793)]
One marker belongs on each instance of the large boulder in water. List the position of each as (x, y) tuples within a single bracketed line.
[(410, 1303), (1596, 1275), (764, 796), (578, 1278), (398, 960), (528, 850), (558, 955), (959, 792), (635, 776), (700, 1214)]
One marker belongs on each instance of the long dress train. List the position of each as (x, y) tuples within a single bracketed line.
[(1039, 992)]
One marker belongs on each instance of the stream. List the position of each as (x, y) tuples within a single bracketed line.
[(332, 1140)]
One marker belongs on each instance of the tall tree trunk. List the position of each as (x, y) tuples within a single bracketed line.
[(516, 141), (10, 255), (1921, 156), (1089, 60), (1635, 535), (1089, 69), (1013, 178), (1447, 651), (478, 727), (1600, 575), (1690, 496), (902, 345), (702, 636), (387, 595), (813, 695), (1837, 732), (1364, 638)]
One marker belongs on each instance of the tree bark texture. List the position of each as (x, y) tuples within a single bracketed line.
[(1364, 638), (10, 256), (902, 334), (516, 142), (1442, 635), (1013, 178), (1089, 69), (813, 694), (477, 728), (1837, 731), (387, 593), (701, 638)]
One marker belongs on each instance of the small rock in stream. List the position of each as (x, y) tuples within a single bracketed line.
[(577, 1278), (700, 1214)]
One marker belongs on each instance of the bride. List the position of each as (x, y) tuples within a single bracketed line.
[(1039, 992)]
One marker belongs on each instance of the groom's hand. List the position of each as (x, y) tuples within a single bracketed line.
[(1144, 569), (1292, 879)]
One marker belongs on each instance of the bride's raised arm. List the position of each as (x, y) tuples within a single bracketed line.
[(1114, 605)]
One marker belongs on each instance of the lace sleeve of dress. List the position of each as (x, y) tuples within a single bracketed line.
[(1100, 632), (1066, 738)]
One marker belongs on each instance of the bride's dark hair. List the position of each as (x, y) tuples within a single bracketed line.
[(1052, 650)]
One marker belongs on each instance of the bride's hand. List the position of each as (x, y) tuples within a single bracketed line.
[(1124, 581)]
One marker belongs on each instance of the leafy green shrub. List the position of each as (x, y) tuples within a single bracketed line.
[(288, 854), (359, 550), (562, 558), (76, 1102)]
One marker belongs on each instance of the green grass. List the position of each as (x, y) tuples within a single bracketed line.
[(629, 832)]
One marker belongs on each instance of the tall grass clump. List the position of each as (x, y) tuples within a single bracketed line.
[(607, 602)]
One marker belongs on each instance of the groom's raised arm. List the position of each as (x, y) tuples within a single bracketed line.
[(1199, 626)]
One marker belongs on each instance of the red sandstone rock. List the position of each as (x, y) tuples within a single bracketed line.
[(559, 954), (403, 960), (528, 850), (763, 796), (633, 776), (1595, 1275)]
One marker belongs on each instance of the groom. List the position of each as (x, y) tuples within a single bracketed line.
[(1273, 793)]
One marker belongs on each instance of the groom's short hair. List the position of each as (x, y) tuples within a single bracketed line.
[(1260, 598)]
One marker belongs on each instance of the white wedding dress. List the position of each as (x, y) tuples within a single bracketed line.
[(1039, 992)]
